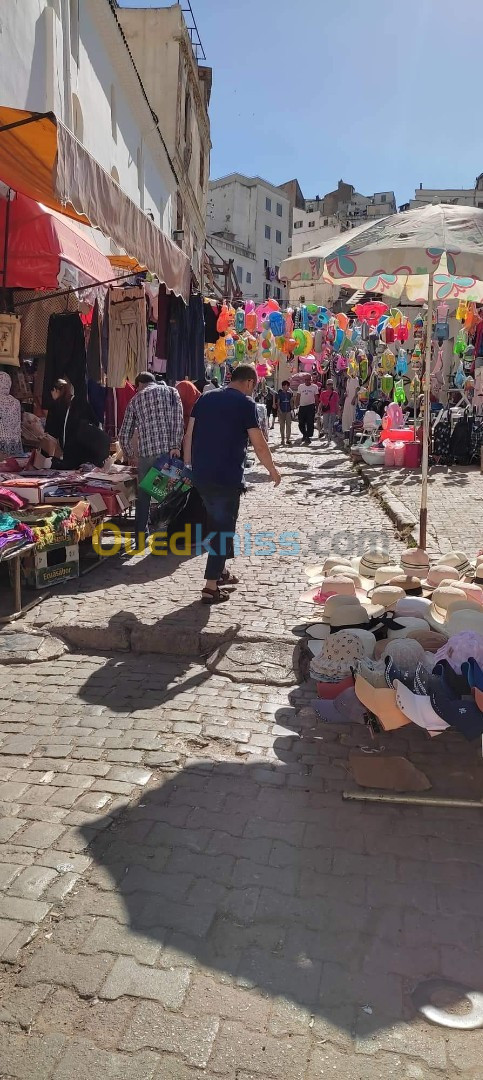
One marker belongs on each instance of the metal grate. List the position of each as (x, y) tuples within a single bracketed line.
[(196, 43)]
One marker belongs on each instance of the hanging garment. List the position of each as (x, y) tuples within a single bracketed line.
[(162, 331), (211, 312), (196, 336), (441, 439), (460, 442), (349, 410), (127, 354), (96, 395), (151, 350), (186, 335), (10, 419), (94, 345), (117, 402), (35, 317), (66, 356)]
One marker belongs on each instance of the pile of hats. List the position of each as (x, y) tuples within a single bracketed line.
[(410, 635), (450, 695)]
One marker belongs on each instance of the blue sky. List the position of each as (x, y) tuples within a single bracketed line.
[(380, 93)]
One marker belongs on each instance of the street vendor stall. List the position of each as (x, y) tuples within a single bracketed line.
[(432, 254)]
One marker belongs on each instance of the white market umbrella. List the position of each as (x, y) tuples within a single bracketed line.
[(433, 254)]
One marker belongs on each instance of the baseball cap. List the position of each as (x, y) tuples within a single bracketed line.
[(381, 703), (418, 708), (459, 713)]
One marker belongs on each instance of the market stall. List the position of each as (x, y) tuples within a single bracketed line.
[(432, 254), (75, 329)]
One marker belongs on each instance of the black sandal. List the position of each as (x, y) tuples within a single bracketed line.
[(228, 579), (214, 596)]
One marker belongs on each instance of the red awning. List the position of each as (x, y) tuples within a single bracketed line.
[(39, 240)]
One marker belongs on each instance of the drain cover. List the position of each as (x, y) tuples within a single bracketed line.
[(19, 647), (255, 662), (449, 1004)]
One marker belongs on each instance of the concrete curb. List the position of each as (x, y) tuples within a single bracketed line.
[(169, 639), (403, 518)]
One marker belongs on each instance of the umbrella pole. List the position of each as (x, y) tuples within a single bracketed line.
[(423, 513)]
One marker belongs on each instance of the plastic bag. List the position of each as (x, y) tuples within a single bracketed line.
[(165, 477)]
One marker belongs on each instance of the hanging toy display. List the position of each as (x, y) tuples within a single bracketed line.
[(230, 348), (363, 369), (299, 338), (460, 343), (402, 362), (240, 350), (399, 392), (441, 328), (277, 323), (220, 351), (240, 320)]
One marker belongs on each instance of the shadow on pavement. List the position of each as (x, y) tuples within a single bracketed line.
[(263, 874), (145, 678)]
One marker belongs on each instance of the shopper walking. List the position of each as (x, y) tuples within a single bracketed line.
[(307, 395), (328, 409), (285, 407), (270, 406), (215, 444), (155, 416)]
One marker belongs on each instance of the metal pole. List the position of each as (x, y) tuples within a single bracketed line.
[(5, 240), (408, 800), (423, 513)]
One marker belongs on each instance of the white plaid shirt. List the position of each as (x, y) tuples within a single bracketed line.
[(156, 414)]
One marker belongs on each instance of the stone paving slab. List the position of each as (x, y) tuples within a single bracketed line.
[(455, 504), (183, 892)]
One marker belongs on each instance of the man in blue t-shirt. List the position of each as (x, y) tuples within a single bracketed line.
[(215, 445)]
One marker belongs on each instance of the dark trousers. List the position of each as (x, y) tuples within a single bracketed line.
[(222, 505), (307, 421), (143, 500)]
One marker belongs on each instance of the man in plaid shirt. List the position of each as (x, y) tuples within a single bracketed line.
[(155, 415)]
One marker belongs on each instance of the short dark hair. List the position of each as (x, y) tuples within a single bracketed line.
[(244, 373), (286, 382), (144, 378)]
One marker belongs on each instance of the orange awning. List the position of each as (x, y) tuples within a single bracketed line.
[(41, 158), (124, 262), (28, 156)]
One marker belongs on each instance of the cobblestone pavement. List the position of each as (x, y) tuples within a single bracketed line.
[(455, 504), (152, 603), (184, 895)]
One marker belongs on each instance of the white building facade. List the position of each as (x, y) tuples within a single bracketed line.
[(70, 57), (453, 196), (252, 216), (178, 87)]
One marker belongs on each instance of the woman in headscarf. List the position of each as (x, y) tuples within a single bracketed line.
[(71, 420), (10, 419), (189, 396)]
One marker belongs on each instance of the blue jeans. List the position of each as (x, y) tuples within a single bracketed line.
[(222, 505), (143, 500)]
